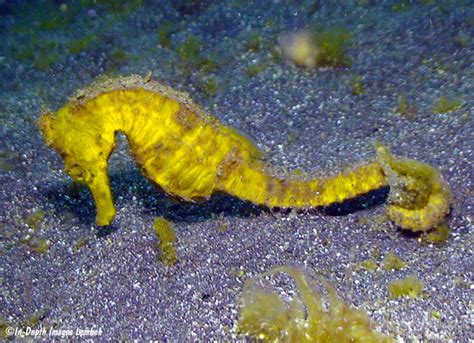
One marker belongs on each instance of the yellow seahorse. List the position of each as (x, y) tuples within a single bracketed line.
[(189, 154)]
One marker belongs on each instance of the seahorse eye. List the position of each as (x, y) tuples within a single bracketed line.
[(78, 173)]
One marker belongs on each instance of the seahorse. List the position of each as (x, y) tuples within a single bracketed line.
[(191, 155)]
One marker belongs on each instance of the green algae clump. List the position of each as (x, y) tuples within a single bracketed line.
[(308, 316), (333, 43), (3, 327), (438, 236), (462, 40), (393, 262), (167, 245), (190, 50), (446, 104), (358, 86), (39, 245), (410, 286), (80, 243), (255, 42), (404, 108), (256, 68), (370, 265), (34, 220), (164, 33), (401, 6), (209, 86), (82, 44)]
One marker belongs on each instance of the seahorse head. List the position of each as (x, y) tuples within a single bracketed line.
[(85, 152)]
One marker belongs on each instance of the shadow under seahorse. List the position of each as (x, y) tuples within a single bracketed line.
[(189, 154), (74, 198)]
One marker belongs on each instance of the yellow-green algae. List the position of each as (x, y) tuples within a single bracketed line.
[(7, 159), (34, 242), (190, 50), (358, 86), (189, 154), (404, 108), (37, 46), (254, 42), (38, 245), (369, 265), (34, 220), (256, 68), (411, 287), (3, 327), (435, 314), (167, 244), (209, 86), (308, 316), (437, 236), (402, 105), (36, 318), (80, 243), (462, 39), (164, 33), (392, 262), (447, 104), (332, 43)]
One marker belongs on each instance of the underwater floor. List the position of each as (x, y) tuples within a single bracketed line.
[(394, 71)]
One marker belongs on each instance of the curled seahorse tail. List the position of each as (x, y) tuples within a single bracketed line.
[(419, 198)]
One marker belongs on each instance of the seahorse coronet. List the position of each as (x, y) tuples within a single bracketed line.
[(190, 154)]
